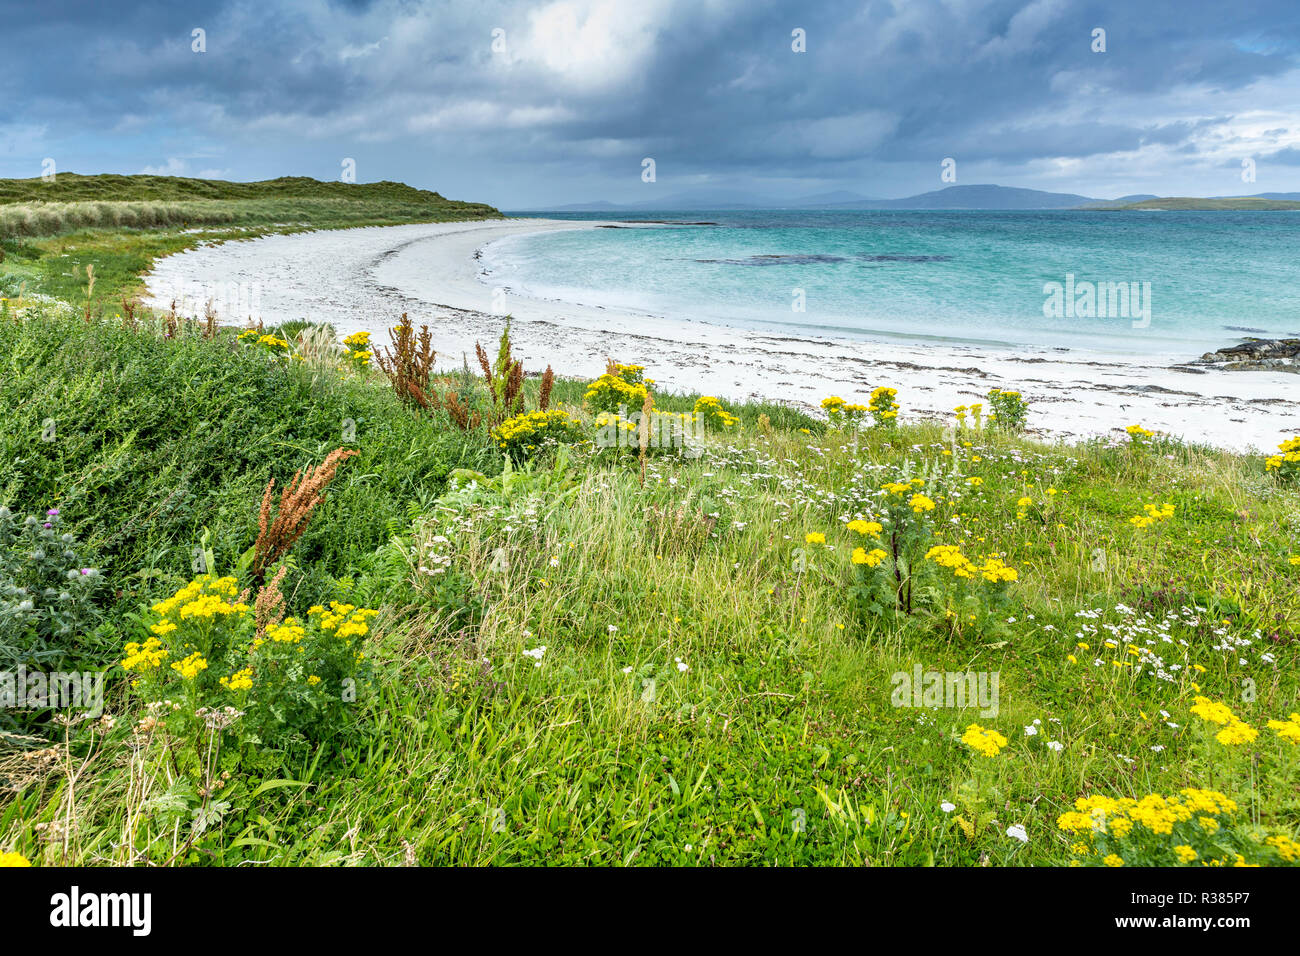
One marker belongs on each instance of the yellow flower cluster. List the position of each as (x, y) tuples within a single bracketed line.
[(203, 584), (13, 859), (884, 405), (841, 412), (358, 349), (661, 423), (202, 599), (983, 741), (872, 528), (1153, 514), (975, 409), (1287, 464), (901, 488), (1288, 729), (950, 556), (190, 667), (711, 411), (608, 392), (1235, 730), (1287, 848), (870, 558), (345, 620), (526, 432), (921, 503), (1153, 812), (240, 680), (1236, 733), (993, 570), (1138, 433), (288, 631), (144, 657), (814, 537), (1009, 409), (207, 606), (632, 373), (270, 342), (1215, 713)]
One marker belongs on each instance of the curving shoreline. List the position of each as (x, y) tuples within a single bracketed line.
[(364, 278)]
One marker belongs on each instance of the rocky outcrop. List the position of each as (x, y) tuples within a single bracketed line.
[(1275, 355)]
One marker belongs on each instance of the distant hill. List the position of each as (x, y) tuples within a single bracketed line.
[(1284, 197), (953, 197), (1121, 201), (1187, 203), (693, 199), (976, 197), (35, 207), (985, 196)]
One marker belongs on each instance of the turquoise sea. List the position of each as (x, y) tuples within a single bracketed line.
[(1208, 278)]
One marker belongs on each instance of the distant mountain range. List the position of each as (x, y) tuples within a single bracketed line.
[(953, 197)]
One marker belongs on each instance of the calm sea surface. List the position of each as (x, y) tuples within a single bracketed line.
[(1203, 279)]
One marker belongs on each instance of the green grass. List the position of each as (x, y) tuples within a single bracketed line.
[(778, 742), (162, 446)]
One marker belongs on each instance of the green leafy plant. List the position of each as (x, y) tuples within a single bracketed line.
[(526, 435), (841, 414), (1286, 466), (47, 592), (621, 388), (884, 406), (1193, 827), (505, 378), (208, 657), (713, 414), (1009, 410)]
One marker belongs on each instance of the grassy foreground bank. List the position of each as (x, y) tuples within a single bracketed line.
[(576, 660)]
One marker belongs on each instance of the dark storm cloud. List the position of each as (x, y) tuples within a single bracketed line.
[(710, 88)]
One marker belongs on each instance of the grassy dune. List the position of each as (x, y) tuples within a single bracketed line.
[(576, 660), (35, 207), (50, 231)]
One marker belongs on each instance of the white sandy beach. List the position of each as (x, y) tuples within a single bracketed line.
[(365, 278)]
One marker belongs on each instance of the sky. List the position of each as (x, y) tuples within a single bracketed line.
[(530, 105)]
